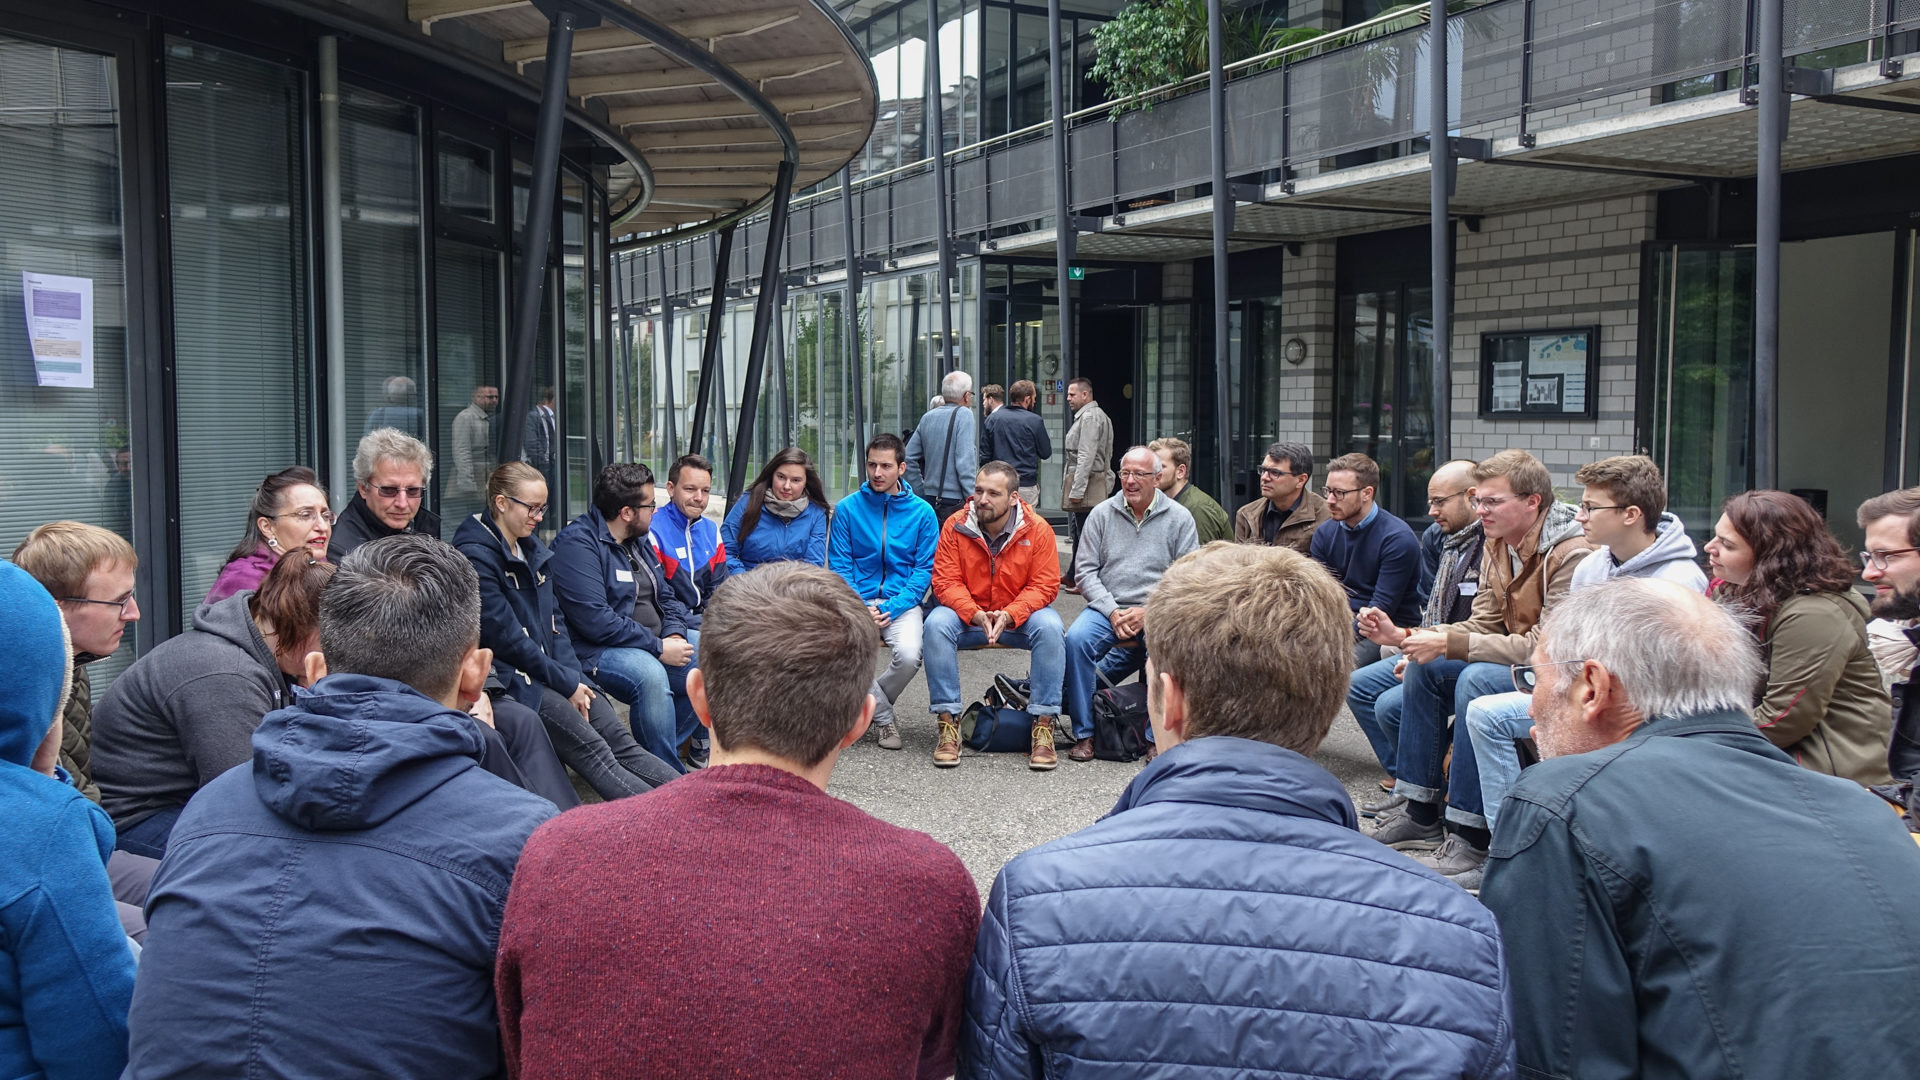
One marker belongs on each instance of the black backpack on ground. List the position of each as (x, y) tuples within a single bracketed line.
[(1120, 722)]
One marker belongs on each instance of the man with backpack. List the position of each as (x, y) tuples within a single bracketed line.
[(995, 572)]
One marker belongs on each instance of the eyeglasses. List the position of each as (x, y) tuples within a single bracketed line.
[(1526, 677), (1134, 474), (125, 603), (1589, 509), (635, 506), (1270, 471), (1878, 559), (1340, 493), (308, 515), (1493, 503), (1435, 504), (532, 510), (394, 491)]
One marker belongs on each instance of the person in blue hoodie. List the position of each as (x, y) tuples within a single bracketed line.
[(1228, 917), (66, 967), (520, 622), (689, 545), (333, 905), (782, 516), (630, 630), (882, 542)]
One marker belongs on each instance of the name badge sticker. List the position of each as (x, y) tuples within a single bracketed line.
[(1469, 588), (623, 576)]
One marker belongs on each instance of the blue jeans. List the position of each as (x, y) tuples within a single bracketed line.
[(1042, 635), (1090, 654), (149, 835), (1493, 722), (1431, 693), (656, 697), (1374, 697)]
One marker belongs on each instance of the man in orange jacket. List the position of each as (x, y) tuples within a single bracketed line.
[(995, 572)]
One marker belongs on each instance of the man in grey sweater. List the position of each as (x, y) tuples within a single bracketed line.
[(1127, 544)]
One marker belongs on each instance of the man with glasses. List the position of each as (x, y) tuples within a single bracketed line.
[(390, 473), (1891, 564), (1373, 555), (1533, 544), (1624, 513), (1287, 513), (1128, 543), (1676, 896), (1453, 525), (628, 627)]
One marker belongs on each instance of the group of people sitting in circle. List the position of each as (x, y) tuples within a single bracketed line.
[(336, 822)]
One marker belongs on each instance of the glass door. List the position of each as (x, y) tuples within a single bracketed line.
[(1384, 390), (1701, 400)]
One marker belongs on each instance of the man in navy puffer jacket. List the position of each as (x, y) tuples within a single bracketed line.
[(1228, 918)]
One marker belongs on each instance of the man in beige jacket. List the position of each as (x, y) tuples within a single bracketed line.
[(1088, 476)]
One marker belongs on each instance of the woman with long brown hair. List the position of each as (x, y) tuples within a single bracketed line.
[(782, 518), (1772, 557)]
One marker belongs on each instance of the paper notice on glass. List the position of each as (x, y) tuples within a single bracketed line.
[(60, 328), (1506, 387), (1564, 355)]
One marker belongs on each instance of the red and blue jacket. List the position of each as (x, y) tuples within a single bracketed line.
[(692, 555)]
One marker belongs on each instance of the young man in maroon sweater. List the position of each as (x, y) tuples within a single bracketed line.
[(740, 921)]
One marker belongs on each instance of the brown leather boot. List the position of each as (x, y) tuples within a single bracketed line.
[(1082, 750), (946, 752), (1041, 757)]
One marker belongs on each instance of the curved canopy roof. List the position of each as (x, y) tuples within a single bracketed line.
[(711, 94)]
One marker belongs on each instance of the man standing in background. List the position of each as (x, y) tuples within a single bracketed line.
[(1088, 471)]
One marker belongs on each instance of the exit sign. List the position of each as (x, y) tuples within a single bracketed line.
[(1076, 273)]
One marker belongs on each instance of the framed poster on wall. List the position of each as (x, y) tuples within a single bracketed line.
[(1540, 374)]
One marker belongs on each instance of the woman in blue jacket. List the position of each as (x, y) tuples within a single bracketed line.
[(531, 651), (782, 518)]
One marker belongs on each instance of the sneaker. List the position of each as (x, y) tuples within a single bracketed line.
[(1041, 757), (1397, 829), (1082, 750), (889, 736), (1454, 857), (946, 752), (1381, 805), (694, 754)]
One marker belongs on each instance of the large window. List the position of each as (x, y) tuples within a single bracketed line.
[(469, 297), (240, 293)]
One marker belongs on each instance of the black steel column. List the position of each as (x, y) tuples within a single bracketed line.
[(628, 372), (1440, 189), (1222, 229), (762, 320), (666, 357), (936, 111), (1062, 206), (538, 235), (850, 315), (1766, 236), (781, 375), (710, 354)]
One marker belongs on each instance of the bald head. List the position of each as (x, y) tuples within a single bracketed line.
[(1447, 493)]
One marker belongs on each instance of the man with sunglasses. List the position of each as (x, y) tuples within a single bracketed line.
[(390, 473), (1288, 513)]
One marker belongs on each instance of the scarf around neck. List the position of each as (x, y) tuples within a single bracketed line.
[(784, 509)]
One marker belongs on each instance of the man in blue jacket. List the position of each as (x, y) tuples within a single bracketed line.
[(1679, 898), (689, 545), (629, 628), (66, 968), (333, 906), (882, 541), (1371, 552), (1228, 918)]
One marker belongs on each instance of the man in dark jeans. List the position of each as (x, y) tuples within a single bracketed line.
[(1018, 436)]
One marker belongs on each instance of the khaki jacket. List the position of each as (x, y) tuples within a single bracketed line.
[(1823, 702), (1088, 477), (1295, 532), (1509, 605)]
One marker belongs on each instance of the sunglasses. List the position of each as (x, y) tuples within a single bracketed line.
[(394, 491)]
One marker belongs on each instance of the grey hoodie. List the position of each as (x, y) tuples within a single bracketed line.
[(185, 712), (1121, 560), (1670, 558)]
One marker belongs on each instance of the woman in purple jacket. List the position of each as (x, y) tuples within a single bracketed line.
[(289, 512)]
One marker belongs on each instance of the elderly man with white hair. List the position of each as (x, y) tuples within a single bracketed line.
[(1128, 543), (942, 454), (390, 473), (1677, 897)]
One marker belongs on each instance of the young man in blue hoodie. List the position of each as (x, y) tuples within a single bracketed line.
[(689, 544), (334, 904), (882, 541), (66, 969)]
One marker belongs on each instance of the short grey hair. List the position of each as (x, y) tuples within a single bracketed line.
[(1158, 465), (956, 385), (390, 444), (405, 608), (1675, 652)]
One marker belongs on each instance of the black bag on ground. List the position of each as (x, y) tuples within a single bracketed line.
[(999, 723), (1120, 722)]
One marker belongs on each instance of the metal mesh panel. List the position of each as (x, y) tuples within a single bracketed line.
[(1020, 183), (1584, 50), (1090, 147), (1255, 106), (970, 195), (1817, 24), (913, 209), (1162, 148), (1359, 96), (1491, 50), (1904, 15), (876, 217)]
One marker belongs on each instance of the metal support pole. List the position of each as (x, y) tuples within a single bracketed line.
[(1766, 235), (1062, 206), (1222, 229), (625, 372), (762, 324), (850, 316), (780, 373), (538, 234), (710, 353), (1440, 230), (333, 267), (936, 112)]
